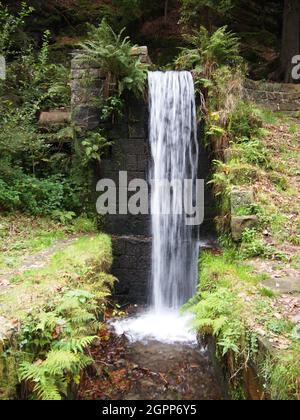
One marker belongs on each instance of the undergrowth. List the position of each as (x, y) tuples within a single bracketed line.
[(231, 306), (47, 356)]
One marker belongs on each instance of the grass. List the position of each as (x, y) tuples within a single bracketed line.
[(22, 236), (33, 287)]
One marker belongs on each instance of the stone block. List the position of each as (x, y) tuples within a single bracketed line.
[(137, 130), (55, 116), (132, 162), (240, 223), (283, 285), (86, 116), (241, 198)]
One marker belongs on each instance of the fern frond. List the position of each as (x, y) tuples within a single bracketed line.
[(75, 344)]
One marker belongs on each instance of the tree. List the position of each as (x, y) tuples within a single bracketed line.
[(290, 38)]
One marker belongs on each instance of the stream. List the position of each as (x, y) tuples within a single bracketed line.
[(149, 370)]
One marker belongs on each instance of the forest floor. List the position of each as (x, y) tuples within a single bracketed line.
[(281, 204)]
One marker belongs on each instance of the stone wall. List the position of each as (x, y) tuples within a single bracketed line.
[(87, 86), (276, 96), (132, 266), (129, 152), (131, 233)]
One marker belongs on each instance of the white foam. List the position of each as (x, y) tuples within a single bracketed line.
[(167, 327)]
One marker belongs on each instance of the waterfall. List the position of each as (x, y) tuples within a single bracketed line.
[(174, 150), (174, 158)]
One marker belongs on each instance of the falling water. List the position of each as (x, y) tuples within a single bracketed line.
[(174, 152), (174, 147)]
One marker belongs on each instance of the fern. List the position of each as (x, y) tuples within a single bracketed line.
[(49, 376), (75, 344), (113, 52), (59, 339), (208, 52)]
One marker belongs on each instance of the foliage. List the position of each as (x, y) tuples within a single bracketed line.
[(191, 10), (9, 24), (245, 121), (113, 52), (121, 13), (59, 338), (208, 51), (227, 307), (51, 345), (36, 82), (93, 146), (218, 72), (281, 374)]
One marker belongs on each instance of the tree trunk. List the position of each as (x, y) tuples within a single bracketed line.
[(166, 10), (290, 38)]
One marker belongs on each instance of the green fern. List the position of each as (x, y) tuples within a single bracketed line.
[(207, 52), (50, 375), (75, 344), (113, 52)]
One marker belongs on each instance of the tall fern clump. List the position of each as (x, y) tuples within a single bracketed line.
[(112, 52), (218, 71)]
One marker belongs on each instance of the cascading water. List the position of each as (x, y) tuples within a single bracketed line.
[(174, 150)]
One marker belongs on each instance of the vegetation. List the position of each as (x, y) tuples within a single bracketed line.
[(54, 280), (36, 177), (232, 306), (112, 52), (49, 352)]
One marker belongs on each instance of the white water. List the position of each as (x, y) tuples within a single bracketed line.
[(174, 150)]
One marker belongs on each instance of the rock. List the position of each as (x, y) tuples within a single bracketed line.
[(6, 329), (283, 285), (142, 53), (282, 97), (241, 198), (240, 223), (296, 319)]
